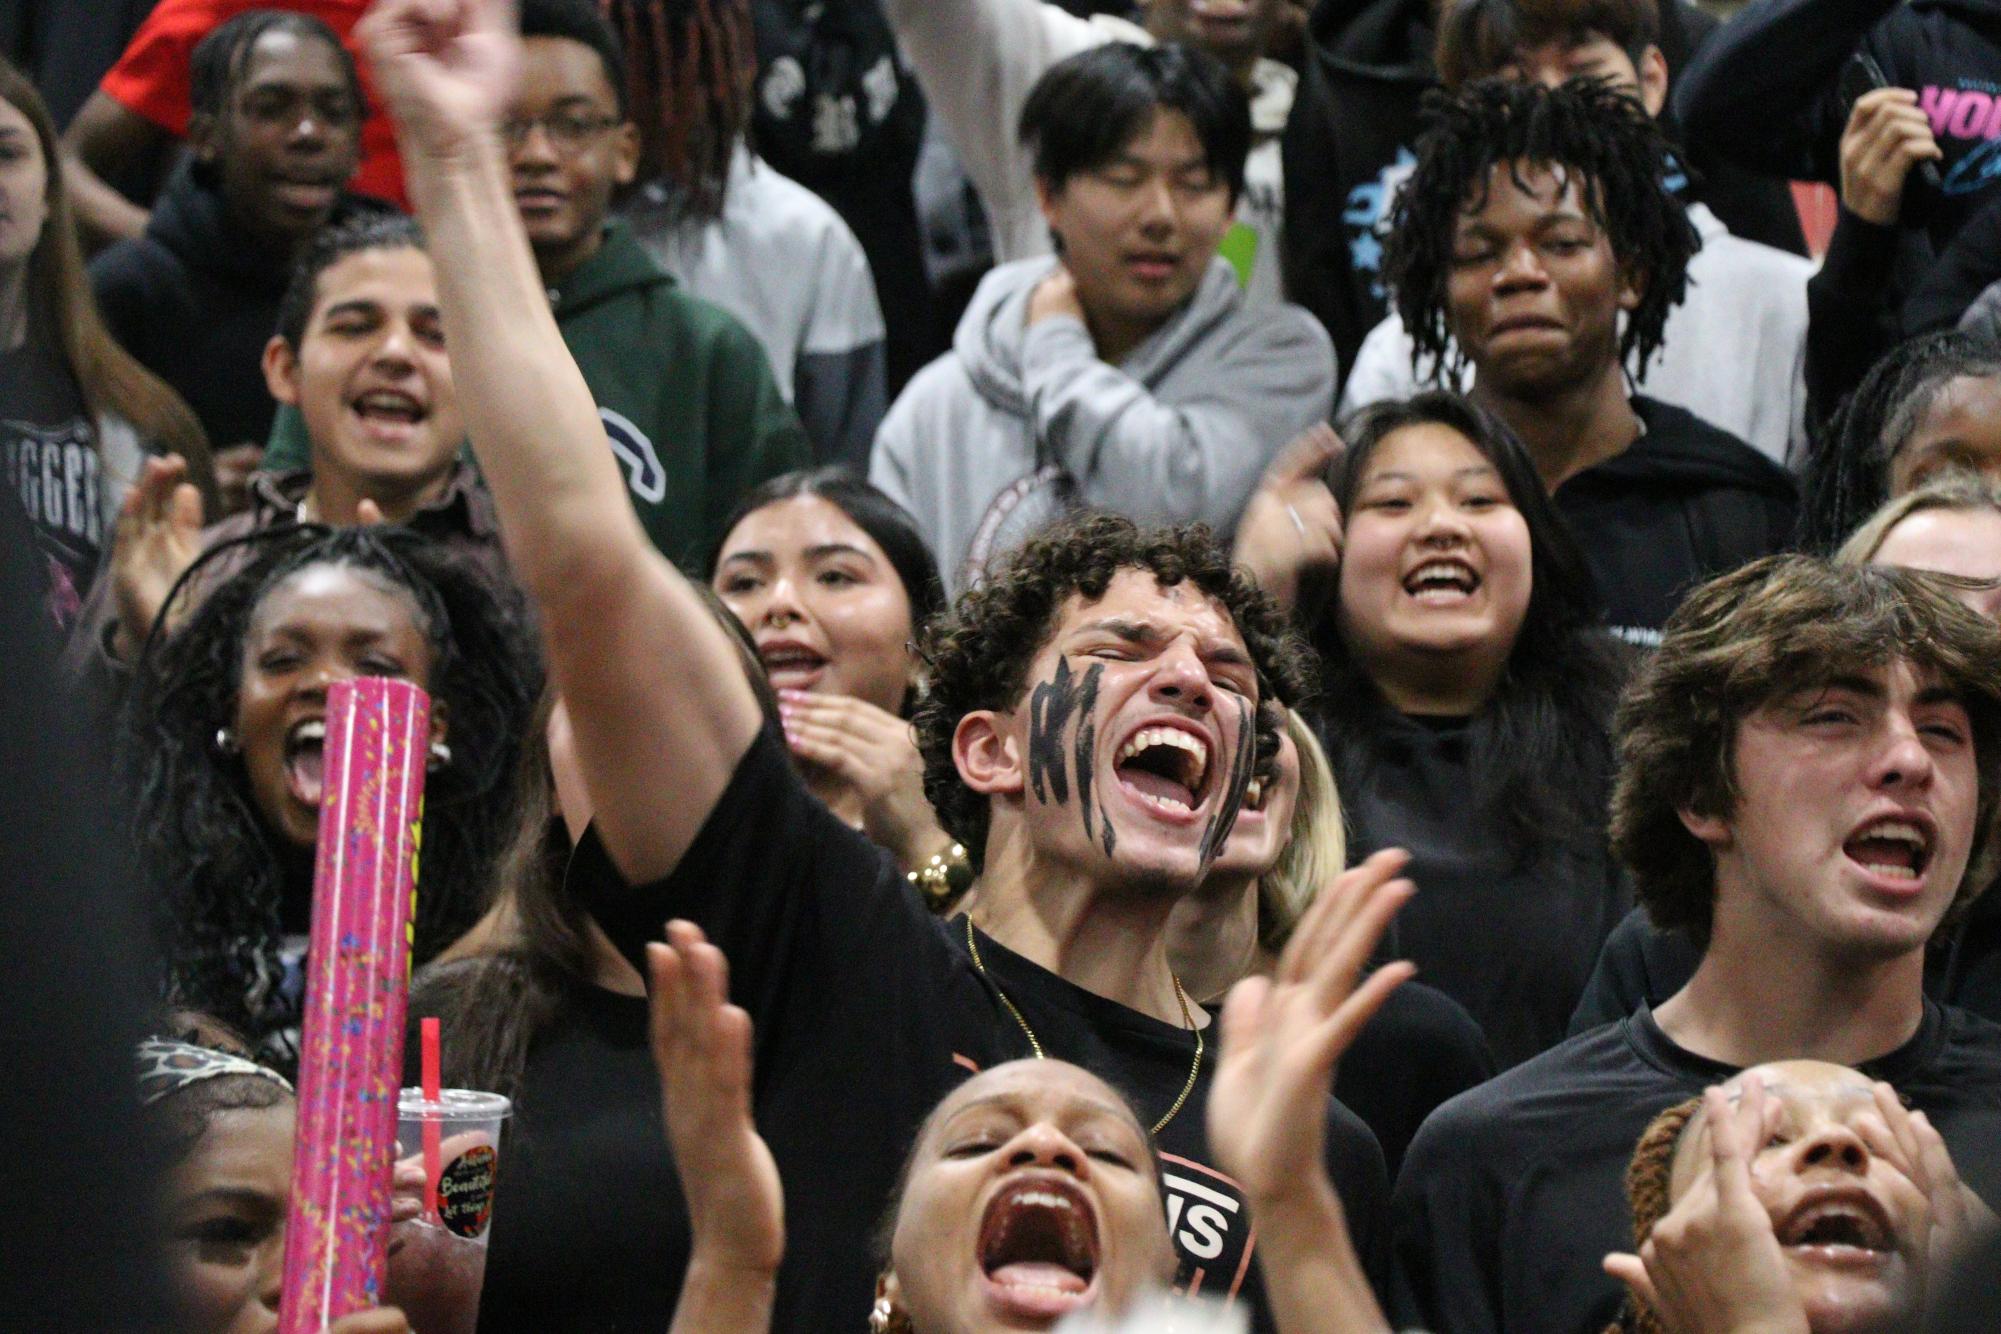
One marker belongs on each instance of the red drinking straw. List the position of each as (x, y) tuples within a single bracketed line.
[(428, 1038)]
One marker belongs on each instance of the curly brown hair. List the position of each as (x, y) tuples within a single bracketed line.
[(1758, 635), (1648, 1177), (978, 653)]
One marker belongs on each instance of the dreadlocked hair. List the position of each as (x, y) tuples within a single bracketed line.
[(689, 68), (1648, 1176), (219, 870), (1585, 128), (1847, 471)]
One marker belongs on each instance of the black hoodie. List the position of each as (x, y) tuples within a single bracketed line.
[(1685, 502), (1765, 91), (195, 299), (1346, 150)]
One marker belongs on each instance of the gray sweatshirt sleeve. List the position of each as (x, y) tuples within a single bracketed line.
[(1195, 449)]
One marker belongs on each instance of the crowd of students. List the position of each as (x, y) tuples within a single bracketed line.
[(1062, 822)]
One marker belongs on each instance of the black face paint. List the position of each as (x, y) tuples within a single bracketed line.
[(1224, 818), (1051, 706)]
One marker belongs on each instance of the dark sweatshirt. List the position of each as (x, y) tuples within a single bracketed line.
[(195, 299), (1685, 502)]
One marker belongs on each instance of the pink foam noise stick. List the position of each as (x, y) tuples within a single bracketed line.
[(357, 991)]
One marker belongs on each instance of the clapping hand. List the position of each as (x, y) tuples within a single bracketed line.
[(446, 68), (156, 539)]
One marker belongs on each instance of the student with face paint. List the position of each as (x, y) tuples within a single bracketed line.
[(1128, 374), (1108, 693), (1732, 351), (1952, 526), (274, 136), (1536, 241), (1032, 1190), (979, 62), (1809, 767), (1797, 1196), (222, 747)]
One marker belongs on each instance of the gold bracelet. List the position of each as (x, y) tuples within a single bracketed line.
[(944, 878)]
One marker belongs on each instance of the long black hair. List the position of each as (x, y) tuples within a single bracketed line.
[(1551, 711), (219, 872), (1847, 471)]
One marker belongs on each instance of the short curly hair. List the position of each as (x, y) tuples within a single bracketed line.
[(1751, 638), (978, 653), (1590, 130)]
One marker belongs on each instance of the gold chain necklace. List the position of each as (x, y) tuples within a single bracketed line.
[(1035, 1044)]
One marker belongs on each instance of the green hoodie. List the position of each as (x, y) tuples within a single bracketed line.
[(685, 392)]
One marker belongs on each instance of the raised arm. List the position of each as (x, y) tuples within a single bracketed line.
[(656, 692)]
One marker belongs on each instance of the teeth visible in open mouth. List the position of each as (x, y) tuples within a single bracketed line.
[(314, 730), (383, 404), (1836, 1224), (1881, 838), (1167, 736), (1254, 795), (1441, 574)]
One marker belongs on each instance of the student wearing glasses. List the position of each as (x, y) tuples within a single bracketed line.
[(685, 392)]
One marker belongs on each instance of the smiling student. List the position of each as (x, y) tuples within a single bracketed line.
[(1128, 374), (1537, 242), (1093, 716), (1809, 767), (275, 136)]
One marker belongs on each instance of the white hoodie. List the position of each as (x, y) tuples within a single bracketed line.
[(1017, 425)]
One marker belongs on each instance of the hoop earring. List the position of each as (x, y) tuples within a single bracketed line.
[(226, 742)]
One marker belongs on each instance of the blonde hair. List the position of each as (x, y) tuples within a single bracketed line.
[(1956, 492), (1317, 850)]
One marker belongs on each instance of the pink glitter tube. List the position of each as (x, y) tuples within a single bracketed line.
[(357, 991)]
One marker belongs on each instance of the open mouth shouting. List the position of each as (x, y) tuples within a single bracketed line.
[(1442, 581), (1894, 850), (389, 416), (1841, 1227), (1165, 767), (791, 664), (1038, 1248), (305, 761)]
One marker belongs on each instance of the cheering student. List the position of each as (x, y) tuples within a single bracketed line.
[(686, 398), (1950, 527), (274, 130), (1465, 665), (1537, 242), (360, 355), (1128, 373), (224, 749), (1092, 718), (1808, 779), (1732, 351)]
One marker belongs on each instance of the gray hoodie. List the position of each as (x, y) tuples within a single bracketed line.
[(1015, 426)]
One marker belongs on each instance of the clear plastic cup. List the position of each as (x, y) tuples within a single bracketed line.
[(437, 1261)]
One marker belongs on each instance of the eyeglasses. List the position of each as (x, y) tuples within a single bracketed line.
[(568, 131)]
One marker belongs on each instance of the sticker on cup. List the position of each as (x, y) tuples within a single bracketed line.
[(465, 1191)]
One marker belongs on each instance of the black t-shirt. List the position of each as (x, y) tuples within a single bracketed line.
[(1511, 938), (49, 447), (1420, 1051), (868, 1010), (589, 1231), (1512, 1194)]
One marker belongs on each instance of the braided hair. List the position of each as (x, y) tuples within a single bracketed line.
[(689, 67), (1847, 471), (1586, 127), (219, 871), (1648, 1177)]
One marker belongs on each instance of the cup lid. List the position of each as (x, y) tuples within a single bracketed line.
[(455, 1105)]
